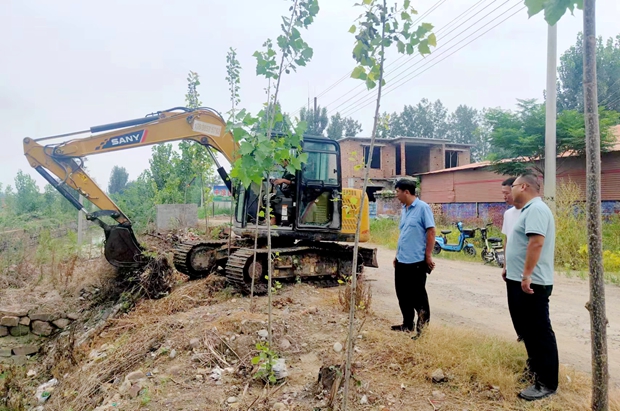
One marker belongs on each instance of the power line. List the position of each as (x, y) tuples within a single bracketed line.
[(434, 54), (360, 85), (360, 104), (348, 74)]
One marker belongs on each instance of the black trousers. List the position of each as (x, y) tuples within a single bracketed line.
[(534, 325), (514, 293), (410, 283)]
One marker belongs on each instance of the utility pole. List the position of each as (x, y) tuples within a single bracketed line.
[(551, 114), (315, 106)]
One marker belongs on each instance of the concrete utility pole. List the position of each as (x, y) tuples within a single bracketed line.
[(551, 114)]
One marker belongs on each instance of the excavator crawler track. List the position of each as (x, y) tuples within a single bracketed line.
[(327, 266), (238, 271), (197, 259)]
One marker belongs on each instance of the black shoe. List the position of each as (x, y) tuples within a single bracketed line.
[(402, 327), (416, 336), (536, 392)]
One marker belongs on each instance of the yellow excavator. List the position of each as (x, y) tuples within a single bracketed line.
[(312, 216)]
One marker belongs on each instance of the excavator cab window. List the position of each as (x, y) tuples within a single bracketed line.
[(319, 188)]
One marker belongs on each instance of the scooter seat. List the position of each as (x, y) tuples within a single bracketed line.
[(446, 231), (495, 239)]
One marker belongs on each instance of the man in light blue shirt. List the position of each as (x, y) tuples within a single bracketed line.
[(413, 258), (529, 278)]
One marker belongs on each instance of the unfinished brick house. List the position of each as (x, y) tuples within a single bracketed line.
[(396, 157)]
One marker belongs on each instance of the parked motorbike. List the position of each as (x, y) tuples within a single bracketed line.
[(493, 251), (441, 242)]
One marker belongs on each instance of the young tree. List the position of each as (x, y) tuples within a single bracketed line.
[(554, 10), (118, 180), (233, 78), (378, 28), (259, 150)]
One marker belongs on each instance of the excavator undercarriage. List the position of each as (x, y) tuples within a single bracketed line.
[(322, 263)]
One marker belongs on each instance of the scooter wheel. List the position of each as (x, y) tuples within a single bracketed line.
[(470, 251), (436, 248)]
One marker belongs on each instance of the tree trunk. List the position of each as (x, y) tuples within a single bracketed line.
[(353, 304), (596, 305)]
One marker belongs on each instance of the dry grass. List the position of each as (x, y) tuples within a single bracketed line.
[(363, 295), (131, 337), (474, 364)]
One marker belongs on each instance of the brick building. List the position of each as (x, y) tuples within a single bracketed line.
[(397, 157), (474, 190)]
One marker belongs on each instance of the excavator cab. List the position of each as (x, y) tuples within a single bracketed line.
[(311, 204)]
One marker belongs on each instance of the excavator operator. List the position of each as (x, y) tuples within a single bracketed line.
[(284, 196)]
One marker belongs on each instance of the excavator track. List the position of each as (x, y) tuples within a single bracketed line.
[(238, 270), (197, 259), (322, 266)]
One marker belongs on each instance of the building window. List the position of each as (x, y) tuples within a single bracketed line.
[(452, 159), (376, 157)]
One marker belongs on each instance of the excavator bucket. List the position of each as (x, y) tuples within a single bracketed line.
[(122, 249)]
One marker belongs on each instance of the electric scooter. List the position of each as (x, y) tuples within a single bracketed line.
[(493, 250), (441, 242)]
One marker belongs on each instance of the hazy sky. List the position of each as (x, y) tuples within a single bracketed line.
[(68, 65)]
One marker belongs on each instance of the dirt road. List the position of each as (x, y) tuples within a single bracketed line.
[(474, 295)]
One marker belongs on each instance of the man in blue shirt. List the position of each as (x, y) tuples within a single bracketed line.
[(413, 258), (529, 274)]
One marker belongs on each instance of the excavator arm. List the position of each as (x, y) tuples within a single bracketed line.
[(204, 126)]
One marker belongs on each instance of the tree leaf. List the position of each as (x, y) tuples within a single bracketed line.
[(554, 10), (400, 46), (359, 73), (432, 40), (352, 29), (534, 6), (367, 2), (406, 4), (426, 26), (423, 47), (405, 16)]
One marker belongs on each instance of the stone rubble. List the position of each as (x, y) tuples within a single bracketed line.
[(22, 321)]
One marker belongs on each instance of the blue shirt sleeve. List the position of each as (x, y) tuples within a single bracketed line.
[(537, 222), (427, 217)]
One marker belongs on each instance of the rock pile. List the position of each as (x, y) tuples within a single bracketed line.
[(19, 322)]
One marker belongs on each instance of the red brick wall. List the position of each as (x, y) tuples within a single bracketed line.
[(437, 158), (352, 153), (484, 186)]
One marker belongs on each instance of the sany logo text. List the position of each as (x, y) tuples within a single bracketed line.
[(126, 139)]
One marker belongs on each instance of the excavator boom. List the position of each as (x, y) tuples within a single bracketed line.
[(205, 126)]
